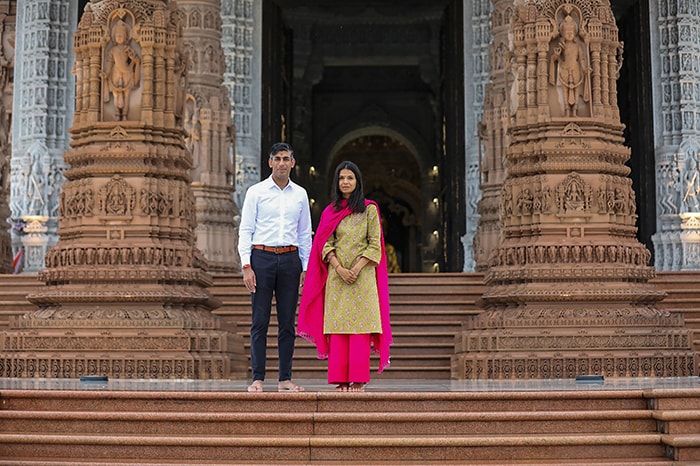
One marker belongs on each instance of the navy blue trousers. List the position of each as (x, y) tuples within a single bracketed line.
[(278, 275)]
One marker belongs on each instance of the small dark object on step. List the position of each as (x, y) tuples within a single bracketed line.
[(94, 378), (590, 379)]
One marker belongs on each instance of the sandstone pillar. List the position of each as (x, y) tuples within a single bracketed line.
[(567, 287), (125, 292), (493, 136), (210, 134)]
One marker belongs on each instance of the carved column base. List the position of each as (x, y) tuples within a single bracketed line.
[(569, 364), (35, 243), (563, 341), (677, 246), (121, 342)]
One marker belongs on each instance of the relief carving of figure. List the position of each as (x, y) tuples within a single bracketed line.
[(620, 201), (691, 189), (668, 179), (569, 68), (116, 198), (525, 202), (122, 70), (193, 126)]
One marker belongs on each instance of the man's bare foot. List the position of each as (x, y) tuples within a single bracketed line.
[(342, 387), (357, 387), (256, 386), (289, 386)]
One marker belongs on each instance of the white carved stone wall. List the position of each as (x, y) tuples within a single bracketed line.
[(241, 41), (675, 31)]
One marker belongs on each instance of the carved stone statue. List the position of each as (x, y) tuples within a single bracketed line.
[(569, 68), (691, 179), (122, 70)]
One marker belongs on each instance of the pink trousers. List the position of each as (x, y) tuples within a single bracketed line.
[(348, 358)]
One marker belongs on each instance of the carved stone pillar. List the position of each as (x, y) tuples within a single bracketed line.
[(677, 135), (7, 70), (125, 291), (493, 135), (242, 42), (44, 89), (207, 118), (476, 64), (567, 289)]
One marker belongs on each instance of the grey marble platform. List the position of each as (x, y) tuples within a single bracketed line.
[(382, 385)]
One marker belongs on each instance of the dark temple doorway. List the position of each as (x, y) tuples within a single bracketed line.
[(380, 83)]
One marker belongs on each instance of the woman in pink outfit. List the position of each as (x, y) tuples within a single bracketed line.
[(344, 308)]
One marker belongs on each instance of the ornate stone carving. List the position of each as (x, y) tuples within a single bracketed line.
[(116, 198), (126, 281), (569, 63), (7, 58), (122, 64), (492, 131), (677, 145), (210, 136), (567, 286), (240, 40)]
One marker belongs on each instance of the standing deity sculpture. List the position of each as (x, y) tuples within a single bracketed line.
[(691, 188), (193, 126), (122, 69), (569, 68)]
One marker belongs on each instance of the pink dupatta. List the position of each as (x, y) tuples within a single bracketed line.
[(310, 325)]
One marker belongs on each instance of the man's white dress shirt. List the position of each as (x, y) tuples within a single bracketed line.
[(275, 217)]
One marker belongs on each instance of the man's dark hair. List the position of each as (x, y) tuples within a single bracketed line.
[(281, 147)]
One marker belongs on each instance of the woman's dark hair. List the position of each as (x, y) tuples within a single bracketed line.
[(356, 202)]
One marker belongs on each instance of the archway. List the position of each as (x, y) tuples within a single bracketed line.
[(392, 178)]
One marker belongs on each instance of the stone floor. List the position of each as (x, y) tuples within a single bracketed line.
[(382, 385)]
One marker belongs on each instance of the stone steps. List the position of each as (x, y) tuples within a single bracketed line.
[(334, 423), (427, 313), (605, 427), (192, 449), (570, 462)]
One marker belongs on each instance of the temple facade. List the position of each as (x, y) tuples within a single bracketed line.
[(550, 144), (400, 90)]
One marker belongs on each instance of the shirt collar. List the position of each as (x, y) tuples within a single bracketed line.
[(271, 184)]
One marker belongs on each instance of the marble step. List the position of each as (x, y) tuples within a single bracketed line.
[(203, 401), (329, 423), (362, 448)]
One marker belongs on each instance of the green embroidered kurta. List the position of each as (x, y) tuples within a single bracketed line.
[(354, 309)]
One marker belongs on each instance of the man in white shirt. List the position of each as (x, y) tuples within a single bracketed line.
[(274, 244)]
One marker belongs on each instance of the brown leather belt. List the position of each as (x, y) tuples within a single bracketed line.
[(275, 249)]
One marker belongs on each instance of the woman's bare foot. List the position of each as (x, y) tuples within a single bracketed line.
[(357, 387), (342, 387)]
